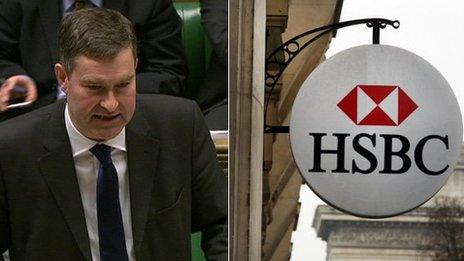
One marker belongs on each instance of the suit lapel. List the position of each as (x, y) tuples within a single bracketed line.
[(142, 151), (57, 168), (50, 15)]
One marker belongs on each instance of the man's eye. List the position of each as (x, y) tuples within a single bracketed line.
[(123, 85)]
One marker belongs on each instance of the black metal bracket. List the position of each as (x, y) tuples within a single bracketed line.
[(275, 66)]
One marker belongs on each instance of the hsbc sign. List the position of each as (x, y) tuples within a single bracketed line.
[(375, 131)]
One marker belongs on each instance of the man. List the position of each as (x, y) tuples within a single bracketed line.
[(101, 176), (28, 47)]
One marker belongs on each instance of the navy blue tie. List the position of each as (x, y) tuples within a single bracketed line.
[(110, 226)]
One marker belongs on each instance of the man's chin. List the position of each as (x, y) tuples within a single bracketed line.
[(106, 134)]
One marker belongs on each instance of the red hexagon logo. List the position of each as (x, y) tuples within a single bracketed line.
[(383, 105)]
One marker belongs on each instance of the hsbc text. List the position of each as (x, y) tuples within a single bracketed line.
[(389, 153)]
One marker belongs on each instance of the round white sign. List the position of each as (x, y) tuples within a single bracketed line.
[(375, 131)]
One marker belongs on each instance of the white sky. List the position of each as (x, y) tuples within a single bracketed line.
[(432, 29)]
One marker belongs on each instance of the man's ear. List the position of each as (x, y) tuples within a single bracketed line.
[(61, 77)]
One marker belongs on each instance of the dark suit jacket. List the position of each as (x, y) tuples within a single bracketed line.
[(29, 43), (176, 185), (212, 95)]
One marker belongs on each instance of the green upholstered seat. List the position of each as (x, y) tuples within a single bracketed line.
[(197, 46)]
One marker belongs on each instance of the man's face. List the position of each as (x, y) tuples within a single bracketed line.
[(100, 94)]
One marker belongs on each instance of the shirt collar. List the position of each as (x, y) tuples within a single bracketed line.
[(81, 144), (67, 4)]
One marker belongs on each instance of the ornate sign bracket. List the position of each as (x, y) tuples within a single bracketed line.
[(275, 65)]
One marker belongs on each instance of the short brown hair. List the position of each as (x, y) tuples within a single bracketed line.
[(94, 32)]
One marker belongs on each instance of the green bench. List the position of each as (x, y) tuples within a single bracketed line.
[(197, 46)]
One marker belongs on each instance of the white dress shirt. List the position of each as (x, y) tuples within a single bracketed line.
[(86, 166)]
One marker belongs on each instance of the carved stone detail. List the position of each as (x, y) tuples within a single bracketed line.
[(382, 237)]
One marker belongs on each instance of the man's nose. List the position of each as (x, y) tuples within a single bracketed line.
[(109, 102)]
